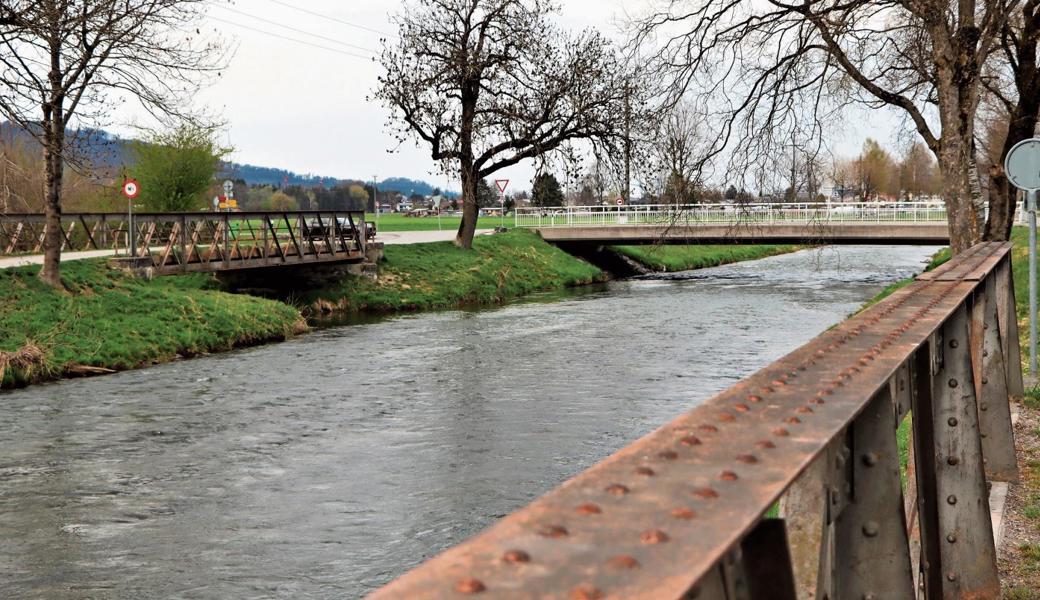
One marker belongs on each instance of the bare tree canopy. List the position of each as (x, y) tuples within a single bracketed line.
[(486, 84), (775, 71), (63, 61)]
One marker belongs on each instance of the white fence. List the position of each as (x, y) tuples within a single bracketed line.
[(729, 214)]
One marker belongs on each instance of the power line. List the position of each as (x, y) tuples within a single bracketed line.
[(290, 39), (289, 27), (330, 18)]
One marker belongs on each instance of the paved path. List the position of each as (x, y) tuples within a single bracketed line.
[(389, 237), (422, 237)]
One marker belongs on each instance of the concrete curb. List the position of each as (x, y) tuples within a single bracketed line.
[(998, 498)]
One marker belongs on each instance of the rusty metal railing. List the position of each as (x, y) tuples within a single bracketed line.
[(201, 241), (683, 512)]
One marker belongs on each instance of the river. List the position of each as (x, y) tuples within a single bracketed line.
[(325, 466)]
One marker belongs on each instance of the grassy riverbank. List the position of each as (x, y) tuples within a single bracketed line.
[(684, 258), (110, 320), (439, 275)]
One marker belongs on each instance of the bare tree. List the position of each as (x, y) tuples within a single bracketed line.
[(1013, 86), (487, 84), (777, 66), (677, 150), (61, 62)]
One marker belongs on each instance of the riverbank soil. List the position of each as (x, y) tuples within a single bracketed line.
[(1020, 549), (108, 320)]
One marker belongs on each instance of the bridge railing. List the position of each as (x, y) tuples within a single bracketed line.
[(200, 241), (687, 511), (732, 214)]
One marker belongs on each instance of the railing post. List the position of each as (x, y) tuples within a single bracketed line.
[(957, 535), (872, 552), (991, 381)]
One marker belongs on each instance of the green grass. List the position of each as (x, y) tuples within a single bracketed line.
[(440, 275), (685, 258), (111, 320), (399, 222)]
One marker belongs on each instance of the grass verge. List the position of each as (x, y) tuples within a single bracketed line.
[(685, 258), (440, 275), (110, 320)]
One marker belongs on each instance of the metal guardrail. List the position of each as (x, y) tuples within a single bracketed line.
[(201, 241), (732, 214), (681, 513)]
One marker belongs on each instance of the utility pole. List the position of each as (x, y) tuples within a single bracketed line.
[(375, 199)]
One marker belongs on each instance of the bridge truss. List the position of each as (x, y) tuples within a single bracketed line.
[(201, 241)]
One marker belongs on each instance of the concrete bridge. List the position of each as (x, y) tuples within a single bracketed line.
[(686, 512), (861, 223)]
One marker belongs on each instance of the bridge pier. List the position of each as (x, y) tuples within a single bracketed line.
[(605, 257)]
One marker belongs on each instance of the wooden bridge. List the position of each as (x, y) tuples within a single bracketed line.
[(686, 512), (173, 243)]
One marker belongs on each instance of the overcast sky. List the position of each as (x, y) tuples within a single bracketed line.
[(302, 106)]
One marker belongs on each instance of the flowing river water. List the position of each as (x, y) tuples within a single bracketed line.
[(325, 466)]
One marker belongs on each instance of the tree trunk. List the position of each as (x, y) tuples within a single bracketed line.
[(54, 164), (470, 210), (964, 219)]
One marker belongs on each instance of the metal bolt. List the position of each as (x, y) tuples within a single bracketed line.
[(706, 493), (690, 441), (709, 428), (869, 596), (985, 380), (754, 399), (748, 459), (951, 500), (870, 459), (983, 407), (653, 536), (952, 383), (953, 461), (765, 445), (726, 418), (668, 455), (741, 407), (516, 557), (469, 585), (623, 561), (589, 509), (954, 343), (951, 576), (645, 471), (780, 432), (871, 529), (952, 421), (804, 410), (616, 489), (728, 476), (683, 513), (553, 531), (952, 538), (793, 420)]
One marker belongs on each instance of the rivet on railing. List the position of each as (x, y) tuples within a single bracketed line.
[(623, 561), (683, 513), (586, 592), (516, 557), (469, 585), (589, 509), (653, 536), (616, 489)]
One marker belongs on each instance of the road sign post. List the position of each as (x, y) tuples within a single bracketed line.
[(131, 189), (502, 184), (1022, 166)]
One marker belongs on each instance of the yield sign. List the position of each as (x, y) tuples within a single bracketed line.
[(501, 184)]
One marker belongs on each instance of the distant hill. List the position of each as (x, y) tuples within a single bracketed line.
[(110, 152)]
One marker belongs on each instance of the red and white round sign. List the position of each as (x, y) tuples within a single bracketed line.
[(131, 188), (620, 201)]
